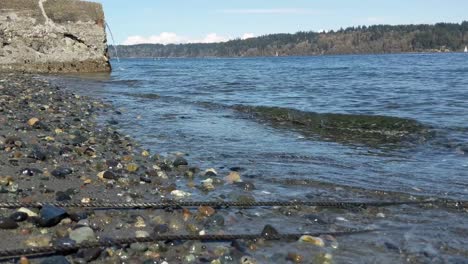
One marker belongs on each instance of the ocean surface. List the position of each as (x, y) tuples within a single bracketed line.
[(185, 105), (331, 128)]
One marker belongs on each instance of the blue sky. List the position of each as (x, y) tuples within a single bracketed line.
[(181, 21)]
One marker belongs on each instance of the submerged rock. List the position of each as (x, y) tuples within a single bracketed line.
[(179, 161)]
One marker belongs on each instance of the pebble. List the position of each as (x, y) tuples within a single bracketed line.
[(179, 193), (269, 231), (180, 161), (141, 233), (33, 121), (84, 233), (206, 211), (210, 173), (233, 177), (27, 211), (50, 216), (8, 223), (90, 254), (61, 173), (247, 260), (55, 260), (294, 257), (317, 241), (24, 260), (132, 167), (108, 175), (38, 241), (19, 216), (160, 229)]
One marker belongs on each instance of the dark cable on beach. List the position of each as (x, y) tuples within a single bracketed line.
[(217, 204), (10, 254)]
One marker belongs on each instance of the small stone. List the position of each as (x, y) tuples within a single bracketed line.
[(90, 254), (233, 177), (109, 175), (61, 173), (160, 229), (33, 121), (141, 233), (247, 260), (38, 241), (179, 193), (145, 179), (246, 186), (145, 153), (139, 247), (8, 223), (132, 167), (140, 222), (27, 211), (180, 161), (62, 197), (317, 241), (24, 260), (206, 211), (50, 216), (269, 232), (81, 234), (294, 257), (37, 154), (30, 172), (55, 260), (19, 216), (210, 173), (58, 131)]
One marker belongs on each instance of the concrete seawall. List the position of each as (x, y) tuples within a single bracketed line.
[(52, 36)]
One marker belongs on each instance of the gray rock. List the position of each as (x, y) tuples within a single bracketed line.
[(81, 234)]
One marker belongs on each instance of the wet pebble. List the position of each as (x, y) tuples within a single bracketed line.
[(84, 233), (180, 161), (55, 260), (89, 255), (161, 229), (61, 173), (62, 197), (50, 216), (19, 216), (8, 223), (30, 172)]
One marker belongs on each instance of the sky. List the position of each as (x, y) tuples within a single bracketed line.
[(185, 21)]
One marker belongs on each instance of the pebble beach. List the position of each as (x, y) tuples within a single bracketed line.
[(55, 148)]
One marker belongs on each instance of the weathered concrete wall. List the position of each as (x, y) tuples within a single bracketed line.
[(52, 36)]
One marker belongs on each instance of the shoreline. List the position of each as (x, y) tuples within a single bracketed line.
[(52, 148)]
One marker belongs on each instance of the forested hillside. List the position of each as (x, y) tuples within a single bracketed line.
[(353, 40)]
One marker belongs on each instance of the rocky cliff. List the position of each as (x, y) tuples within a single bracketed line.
[(52, 36)]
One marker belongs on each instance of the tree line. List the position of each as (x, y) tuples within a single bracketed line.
[(440, 37)]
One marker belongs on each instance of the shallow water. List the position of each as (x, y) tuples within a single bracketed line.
[(178, 105)]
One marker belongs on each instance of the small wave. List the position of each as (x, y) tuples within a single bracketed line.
[(351, 128)]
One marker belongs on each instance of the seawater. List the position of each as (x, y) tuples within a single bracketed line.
[(182, 105), (186, 106)]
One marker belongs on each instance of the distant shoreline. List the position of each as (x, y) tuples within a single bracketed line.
[(378, 39), (289, 56)]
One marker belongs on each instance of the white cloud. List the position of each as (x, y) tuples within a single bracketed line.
[(269, 11), (173, 38), (213, 38), (248, 35)]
